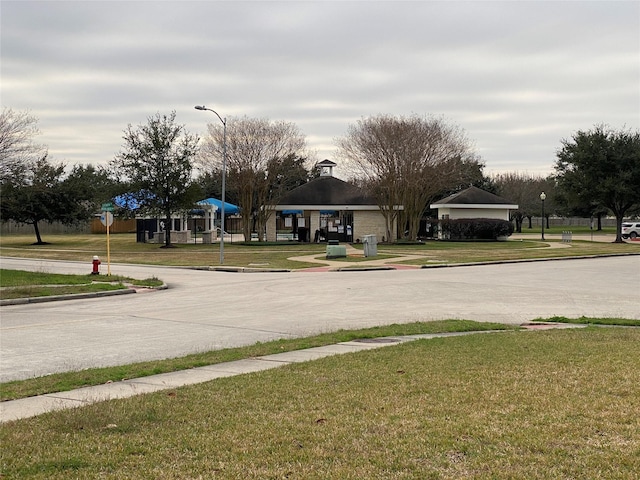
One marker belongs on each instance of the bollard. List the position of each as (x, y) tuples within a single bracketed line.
[(96, 265)]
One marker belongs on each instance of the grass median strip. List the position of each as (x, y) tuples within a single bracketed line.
[(61, 382), (20, 284), (619, 322), (535, 405)]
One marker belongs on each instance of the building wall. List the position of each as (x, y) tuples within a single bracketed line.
[(369, 222), (271, 228), (314, 221), (456, 213)]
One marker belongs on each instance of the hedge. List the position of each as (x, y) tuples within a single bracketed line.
[(474, 229)]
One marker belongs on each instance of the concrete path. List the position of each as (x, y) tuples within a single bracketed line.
[(33, 406), (356, 259)]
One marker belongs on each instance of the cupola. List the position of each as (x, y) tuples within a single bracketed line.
[(326, 168)]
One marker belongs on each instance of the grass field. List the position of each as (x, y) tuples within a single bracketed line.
[(124, 249), (523, 405)]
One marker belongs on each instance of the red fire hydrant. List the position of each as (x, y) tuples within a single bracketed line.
[(96, 265)]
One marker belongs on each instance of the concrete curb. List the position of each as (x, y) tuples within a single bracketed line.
[(527, 260), (77, 296)]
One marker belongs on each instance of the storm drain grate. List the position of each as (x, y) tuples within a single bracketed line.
[(377, 340)]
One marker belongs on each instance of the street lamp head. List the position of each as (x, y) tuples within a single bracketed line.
[(543, 196), (200, 107)]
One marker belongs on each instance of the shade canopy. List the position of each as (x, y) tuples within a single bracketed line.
[(229, 208)]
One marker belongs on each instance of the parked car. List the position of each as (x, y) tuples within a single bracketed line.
[(631, 230)]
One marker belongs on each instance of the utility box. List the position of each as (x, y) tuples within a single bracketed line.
[(335, 250), (370, 243)]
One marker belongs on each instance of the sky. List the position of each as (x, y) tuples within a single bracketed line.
[(517, 76)]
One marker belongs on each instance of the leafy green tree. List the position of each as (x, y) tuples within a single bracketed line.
[(156, 162), (601, 167), (38, 197), (86, 187), (34, 190)]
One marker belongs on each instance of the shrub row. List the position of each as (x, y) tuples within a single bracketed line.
[(474, 229)]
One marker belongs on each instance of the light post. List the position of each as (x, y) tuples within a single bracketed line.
[(224, 175), (542, 198)]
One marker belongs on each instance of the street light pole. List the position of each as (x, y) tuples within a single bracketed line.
[(542, 198), (224, 175)]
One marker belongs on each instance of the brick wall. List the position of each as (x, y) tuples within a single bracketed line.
[(369, 223)]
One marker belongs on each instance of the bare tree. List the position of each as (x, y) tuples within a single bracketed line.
[(525, 190), (17, 148), (519, 188), (407, 161), (254, 147)]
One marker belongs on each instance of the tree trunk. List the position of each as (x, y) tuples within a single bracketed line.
[(38, 237), (167, 231), (519, 219), (619, 219)]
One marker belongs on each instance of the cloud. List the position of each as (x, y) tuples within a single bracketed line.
[(517, 76)]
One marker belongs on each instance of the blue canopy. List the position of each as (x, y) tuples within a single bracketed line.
[(229, 208), (128, 201)]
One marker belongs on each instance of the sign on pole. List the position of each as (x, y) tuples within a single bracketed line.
[(107, 220), (108, 207)]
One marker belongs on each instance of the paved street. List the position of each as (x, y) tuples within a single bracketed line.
[(204, 310)]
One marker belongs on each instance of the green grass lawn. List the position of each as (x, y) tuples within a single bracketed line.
[(561, 404), (125, 249), (575, 229), (21, 284)]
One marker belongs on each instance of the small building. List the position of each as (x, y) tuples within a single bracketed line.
[(474, 203), (151, 229), (327, 208), (211, 210)]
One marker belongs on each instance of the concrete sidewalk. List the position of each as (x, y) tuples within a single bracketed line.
[(33, 406)]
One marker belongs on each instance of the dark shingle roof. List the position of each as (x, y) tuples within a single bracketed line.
[(327, 191), (473, 196)]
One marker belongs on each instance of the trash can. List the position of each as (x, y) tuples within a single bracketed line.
[(370, 243)]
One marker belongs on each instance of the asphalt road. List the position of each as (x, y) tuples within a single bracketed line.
[(204, 310)]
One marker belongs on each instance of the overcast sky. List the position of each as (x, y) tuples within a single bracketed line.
[(516, 76)]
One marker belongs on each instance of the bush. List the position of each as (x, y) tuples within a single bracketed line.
[(475, 229)]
